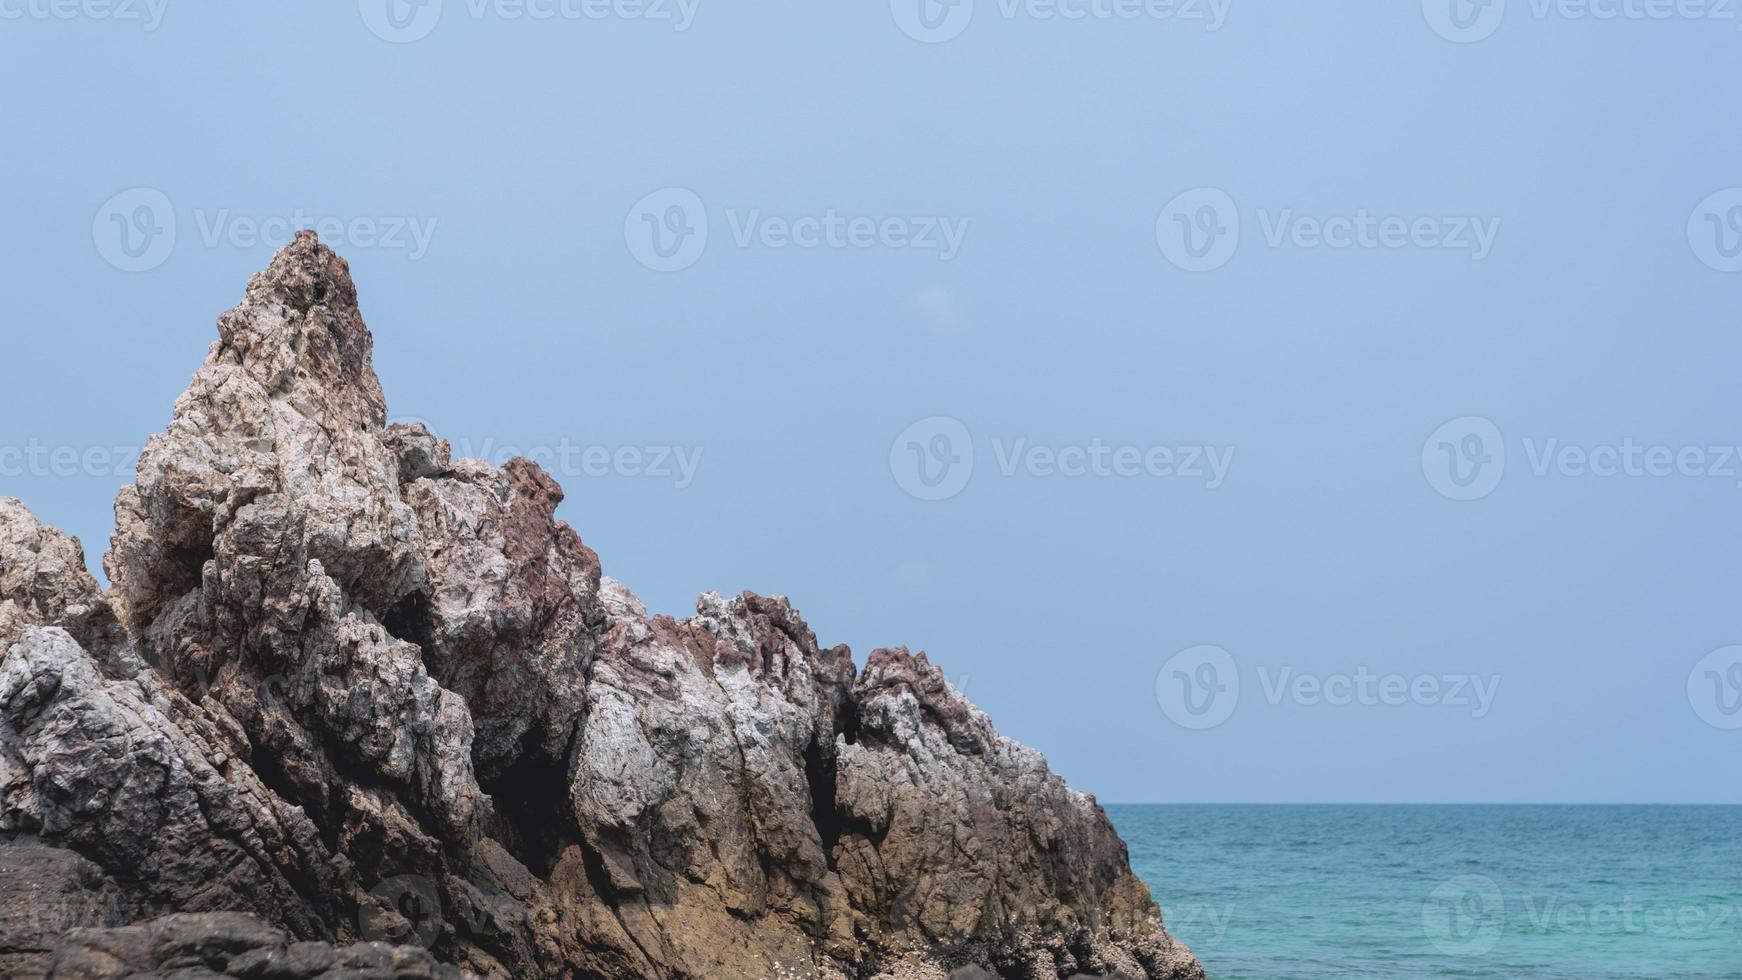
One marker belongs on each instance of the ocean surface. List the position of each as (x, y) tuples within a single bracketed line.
[(1574, 892)]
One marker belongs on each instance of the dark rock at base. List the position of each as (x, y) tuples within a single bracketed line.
[(185, 947), (45, 893)]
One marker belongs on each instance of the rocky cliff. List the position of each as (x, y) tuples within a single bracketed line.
[(353, 707)]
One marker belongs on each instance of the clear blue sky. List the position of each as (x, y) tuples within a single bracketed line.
[(1069, 159)]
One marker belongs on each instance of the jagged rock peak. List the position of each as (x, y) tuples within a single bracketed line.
[(300, 329), (346, 689)]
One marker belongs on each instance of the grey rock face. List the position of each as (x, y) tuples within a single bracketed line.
[(367, 693), (216, 945), (148, 785)]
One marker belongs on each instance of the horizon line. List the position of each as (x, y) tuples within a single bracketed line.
[(1250, 803)]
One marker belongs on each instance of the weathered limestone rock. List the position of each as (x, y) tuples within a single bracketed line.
[(362, 691), (958, 834), (43, 582)]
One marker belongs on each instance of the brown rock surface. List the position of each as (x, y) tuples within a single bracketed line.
[(369, 692)]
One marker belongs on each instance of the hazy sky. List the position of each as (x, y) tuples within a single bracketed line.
[(1349, 408)]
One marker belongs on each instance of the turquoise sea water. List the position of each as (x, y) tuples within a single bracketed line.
[(1573, 892)]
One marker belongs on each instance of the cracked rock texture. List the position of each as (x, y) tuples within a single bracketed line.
[(354, 708)]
